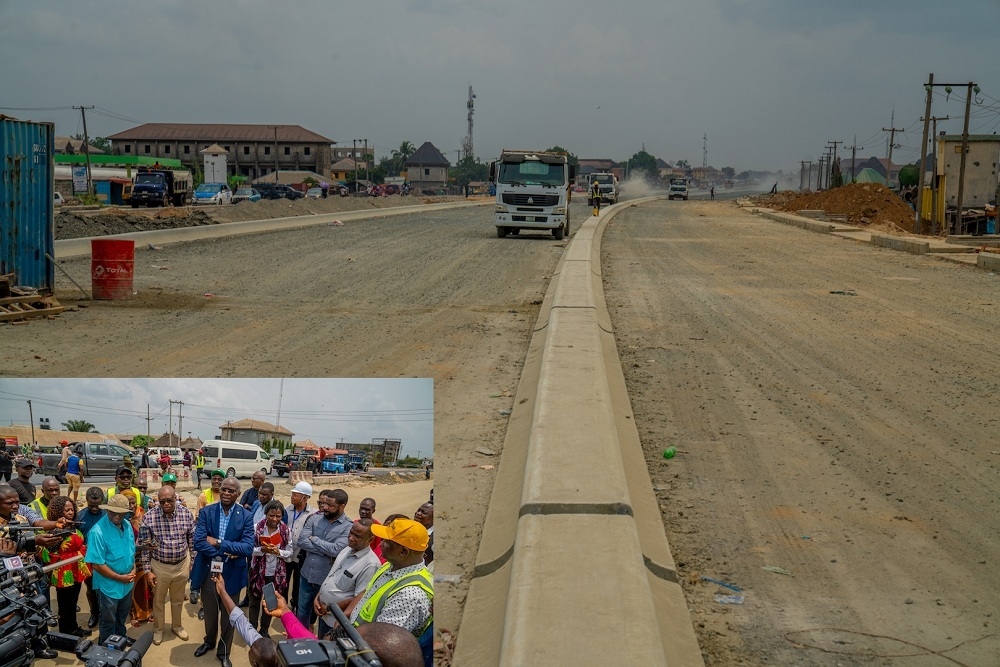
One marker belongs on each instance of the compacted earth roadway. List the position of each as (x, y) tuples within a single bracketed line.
[(834, 407)]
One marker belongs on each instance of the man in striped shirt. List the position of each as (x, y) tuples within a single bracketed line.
[(170, 527)]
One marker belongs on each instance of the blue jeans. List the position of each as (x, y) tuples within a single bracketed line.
[(114, 613), (307, 593)]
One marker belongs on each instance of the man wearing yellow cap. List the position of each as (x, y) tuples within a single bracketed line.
[(401, 592)]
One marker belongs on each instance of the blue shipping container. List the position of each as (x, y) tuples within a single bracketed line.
[(27, 189)]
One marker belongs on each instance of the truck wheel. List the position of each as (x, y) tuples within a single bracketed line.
[(501, 232), (558, 232), (567, 226), (515, 231), (281, 473)]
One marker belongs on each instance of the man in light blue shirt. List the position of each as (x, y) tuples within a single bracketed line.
[(111, 554)]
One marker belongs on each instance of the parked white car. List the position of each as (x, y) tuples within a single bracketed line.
[(59, 201), (212, 193)]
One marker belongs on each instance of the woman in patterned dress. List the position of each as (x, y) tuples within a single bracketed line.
[(142, 594), (68, 578), (269, 561)]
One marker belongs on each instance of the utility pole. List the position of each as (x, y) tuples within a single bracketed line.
[(819, 174), (923, 152), (366, 159), (809, 175), (854, 150), (888, 158), (704, 151), (802, 168), (170, 425), (275, 128), (31, 417), (833, 159), (354, 159), (86, 148), (147, 421), (180, 421), (960, 220), (934, 179)]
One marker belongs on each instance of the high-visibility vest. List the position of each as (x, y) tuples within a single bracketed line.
[(199, 461), (42, 510), (373, 607), (209, 497), (143, 498)]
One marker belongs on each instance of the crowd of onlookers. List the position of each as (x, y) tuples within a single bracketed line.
[(140, 551)]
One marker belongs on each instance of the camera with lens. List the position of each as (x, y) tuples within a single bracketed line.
[(349, 651)]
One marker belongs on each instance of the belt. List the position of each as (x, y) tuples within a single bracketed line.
[(176, 562)]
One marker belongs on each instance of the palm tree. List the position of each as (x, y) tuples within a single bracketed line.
[(80, 426), (401, 155)]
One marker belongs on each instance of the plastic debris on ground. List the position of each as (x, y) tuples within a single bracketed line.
[(729, 599), (776, 570)]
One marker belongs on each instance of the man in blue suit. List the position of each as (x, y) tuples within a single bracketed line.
[(224, 532)]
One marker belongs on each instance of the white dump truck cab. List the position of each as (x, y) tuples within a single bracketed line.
[(608, 185), (533, 192)]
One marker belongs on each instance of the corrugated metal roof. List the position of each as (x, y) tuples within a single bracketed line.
[(219, 132), (47, 438)]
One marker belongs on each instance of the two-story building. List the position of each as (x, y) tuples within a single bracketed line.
[(427, 168), (252, 150), (254, 431)]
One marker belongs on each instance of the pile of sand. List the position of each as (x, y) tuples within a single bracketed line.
[(862, 203)]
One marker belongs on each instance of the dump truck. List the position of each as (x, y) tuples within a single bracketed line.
[(608, 185), (155, 186), (532, 191)]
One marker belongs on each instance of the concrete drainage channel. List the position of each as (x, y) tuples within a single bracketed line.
[(66, 248), (574, 565)]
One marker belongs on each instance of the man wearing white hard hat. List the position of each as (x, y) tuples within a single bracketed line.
[(295, 518)]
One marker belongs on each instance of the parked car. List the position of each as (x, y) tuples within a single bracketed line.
[(99, 458), (59, 201), (246, 194), (238, 459), (344, 192), (277, 191), (390, 189), (314, 193), (212, 193)]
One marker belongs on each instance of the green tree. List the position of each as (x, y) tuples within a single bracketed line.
[(559, 149), (469, 169), (80, 426), (728, 172), (682, 164), (141, 442), (642, 163), (397, 159), (837, 179)]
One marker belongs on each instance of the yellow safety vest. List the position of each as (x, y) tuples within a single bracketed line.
[(199, 461), (373, 607), (143, 498), (209, 497), (42, 510)]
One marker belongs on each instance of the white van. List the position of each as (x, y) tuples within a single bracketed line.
[(175, 453), (238, 459)]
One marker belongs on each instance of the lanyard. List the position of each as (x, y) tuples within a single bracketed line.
[(295, 516)]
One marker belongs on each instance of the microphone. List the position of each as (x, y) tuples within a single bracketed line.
[(134, 656)]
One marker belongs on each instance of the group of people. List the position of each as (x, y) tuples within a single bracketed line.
[(139, 551)]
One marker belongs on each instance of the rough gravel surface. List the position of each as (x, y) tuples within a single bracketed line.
[(835, 412)]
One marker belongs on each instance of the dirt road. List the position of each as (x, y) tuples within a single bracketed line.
[(835, 410), (432, 295)]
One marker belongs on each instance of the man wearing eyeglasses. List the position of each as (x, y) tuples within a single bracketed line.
[(224, 531)]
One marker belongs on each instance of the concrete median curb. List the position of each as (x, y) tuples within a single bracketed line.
[(67, 248), (574, 566)]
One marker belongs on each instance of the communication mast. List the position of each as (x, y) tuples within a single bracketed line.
[(704, 151), (467, 141)]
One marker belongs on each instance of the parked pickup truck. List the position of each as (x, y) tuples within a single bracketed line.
[(285, 464), (99, 458)]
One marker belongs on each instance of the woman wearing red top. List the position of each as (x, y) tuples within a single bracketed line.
[(67, 578)]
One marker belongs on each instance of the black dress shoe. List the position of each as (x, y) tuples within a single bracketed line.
[(92, 622), (224, 660), (51, 654), (80, 632), (202, 650)]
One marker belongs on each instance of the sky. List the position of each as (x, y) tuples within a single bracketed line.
[(769, 82), (319, 409)]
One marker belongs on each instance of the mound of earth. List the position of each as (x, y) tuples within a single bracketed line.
[(115, 220), (862, 203)]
